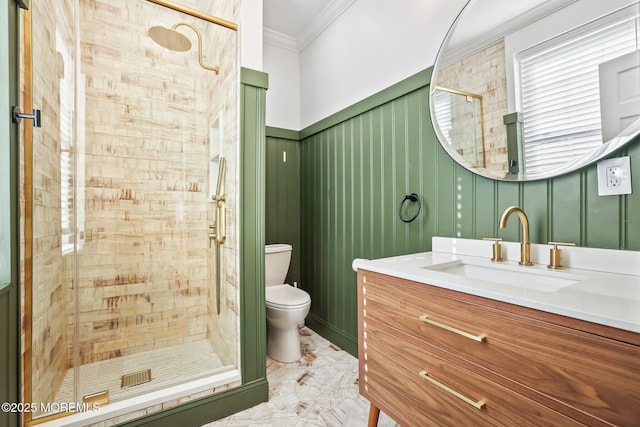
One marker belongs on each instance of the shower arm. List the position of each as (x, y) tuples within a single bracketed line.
[(215, 69)]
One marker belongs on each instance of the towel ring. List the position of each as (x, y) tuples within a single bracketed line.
[(413, 197)]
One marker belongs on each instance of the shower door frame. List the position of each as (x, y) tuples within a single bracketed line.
[(254, 387), (9, 291)]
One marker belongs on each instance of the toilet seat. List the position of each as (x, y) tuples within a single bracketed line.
[(286, 297)]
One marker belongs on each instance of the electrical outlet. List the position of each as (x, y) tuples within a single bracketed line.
[(614, 176)]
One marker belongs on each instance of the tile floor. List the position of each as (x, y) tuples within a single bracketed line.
[(321, 389)]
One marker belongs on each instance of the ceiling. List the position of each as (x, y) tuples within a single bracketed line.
[(295, 23)]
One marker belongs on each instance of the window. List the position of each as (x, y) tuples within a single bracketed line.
[(66, 147), (559, 82)]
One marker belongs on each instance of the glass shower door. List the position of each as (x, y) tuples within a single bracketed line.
[(123, 294)]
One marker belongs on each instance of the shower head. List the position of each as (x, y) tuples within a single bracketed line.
[(170, 38), (174, 40)]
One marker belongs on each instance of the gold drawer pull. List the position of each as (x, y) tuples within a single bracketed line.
[(479, 338), (478, 405)]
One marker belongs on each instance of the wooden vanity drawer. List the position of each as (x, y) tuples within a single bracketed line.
[(392, 374), (588, 373)]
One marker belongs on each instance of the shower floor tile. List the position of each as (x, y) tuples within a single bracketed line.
[(169, 366), (321, 389)]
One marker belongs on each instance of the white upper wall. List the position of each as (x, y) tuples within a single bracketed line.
[(373, 45), (250, 29), (283, 96)]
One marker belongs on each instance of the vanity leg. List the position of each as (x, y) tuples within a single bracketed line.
[(374, 413)]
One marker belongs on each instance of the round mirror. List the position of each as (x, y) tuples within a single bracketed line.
[(531, 89)]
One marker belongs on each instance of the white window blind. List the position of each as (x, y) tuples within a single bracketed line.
[(443, 112), (560, 99), (66, 147)]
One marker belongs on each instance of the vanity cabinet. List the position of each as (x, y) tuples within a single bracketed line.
[(430, 356)]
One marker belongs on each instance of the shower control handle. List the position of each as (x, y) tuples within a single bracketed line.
[(212, 234)]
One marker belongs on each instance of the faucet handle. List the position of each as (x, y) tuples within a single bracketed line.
[(555, 255), (497, 248)]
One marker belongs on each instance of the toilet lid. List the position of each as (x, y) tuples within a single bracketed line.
[(286, 295)]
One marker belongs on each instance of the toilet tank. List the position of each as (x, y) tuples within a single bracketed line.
[(276, 263)]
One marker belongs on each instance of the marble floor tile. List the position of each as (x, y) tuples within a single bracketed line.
[(320, 389)]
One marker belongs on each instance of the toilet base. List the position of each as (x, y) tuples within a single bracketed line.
[(283, 344)]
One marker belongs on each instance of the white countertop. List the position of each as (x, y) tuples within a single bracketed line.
[(606, 288)]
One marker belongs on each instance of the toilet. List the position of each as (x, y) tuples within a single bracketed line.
[(287, 306)]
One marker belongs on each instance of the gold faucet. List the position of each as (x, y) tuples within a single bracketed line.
[(525, 246)]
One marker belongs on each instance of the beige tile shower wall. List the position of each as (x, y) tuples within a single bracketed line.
[(50, 296), (484, 73), (144, 266), (223, 330)]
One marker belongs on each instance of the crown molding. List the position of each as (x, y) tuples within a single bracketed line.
[(280, 40), (320, 23)]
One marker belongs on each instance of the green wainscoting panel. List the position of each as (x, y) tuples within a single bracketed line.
[(253, 93), (8, 354), (602, 210), (354, 176), (357, 165), (484, 207), (282, 214), (631, 204), (565, 214), (509, 194), (534, 197), (254, 388)]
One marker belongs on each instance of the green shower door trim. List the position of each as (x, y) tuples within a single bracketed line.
[(252, 223), (254, 389)]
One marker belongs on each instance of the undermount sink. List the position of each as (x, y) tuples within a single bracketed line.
[(508, 275)]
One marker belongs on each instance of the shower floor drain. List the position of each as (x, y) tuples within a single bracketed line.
[(135, 378)]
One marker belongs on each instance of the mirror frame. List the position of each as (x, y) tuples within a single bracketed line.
[(629, 134)]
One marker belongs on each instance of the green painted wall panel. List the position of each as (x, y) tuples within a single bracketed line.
[(535, 204), (632, 203), (566, 216), (603, 215), (356, 170), (464, 202), (283, 192), (8, 355), (484, 208), (252, 224), (445, 193), (509, 195)]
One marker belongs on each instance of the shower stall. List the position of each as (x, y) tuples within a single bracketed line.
[(124, 294)]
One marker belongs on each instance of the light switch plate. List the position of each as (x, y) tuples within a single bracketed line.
[(614, 176)]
